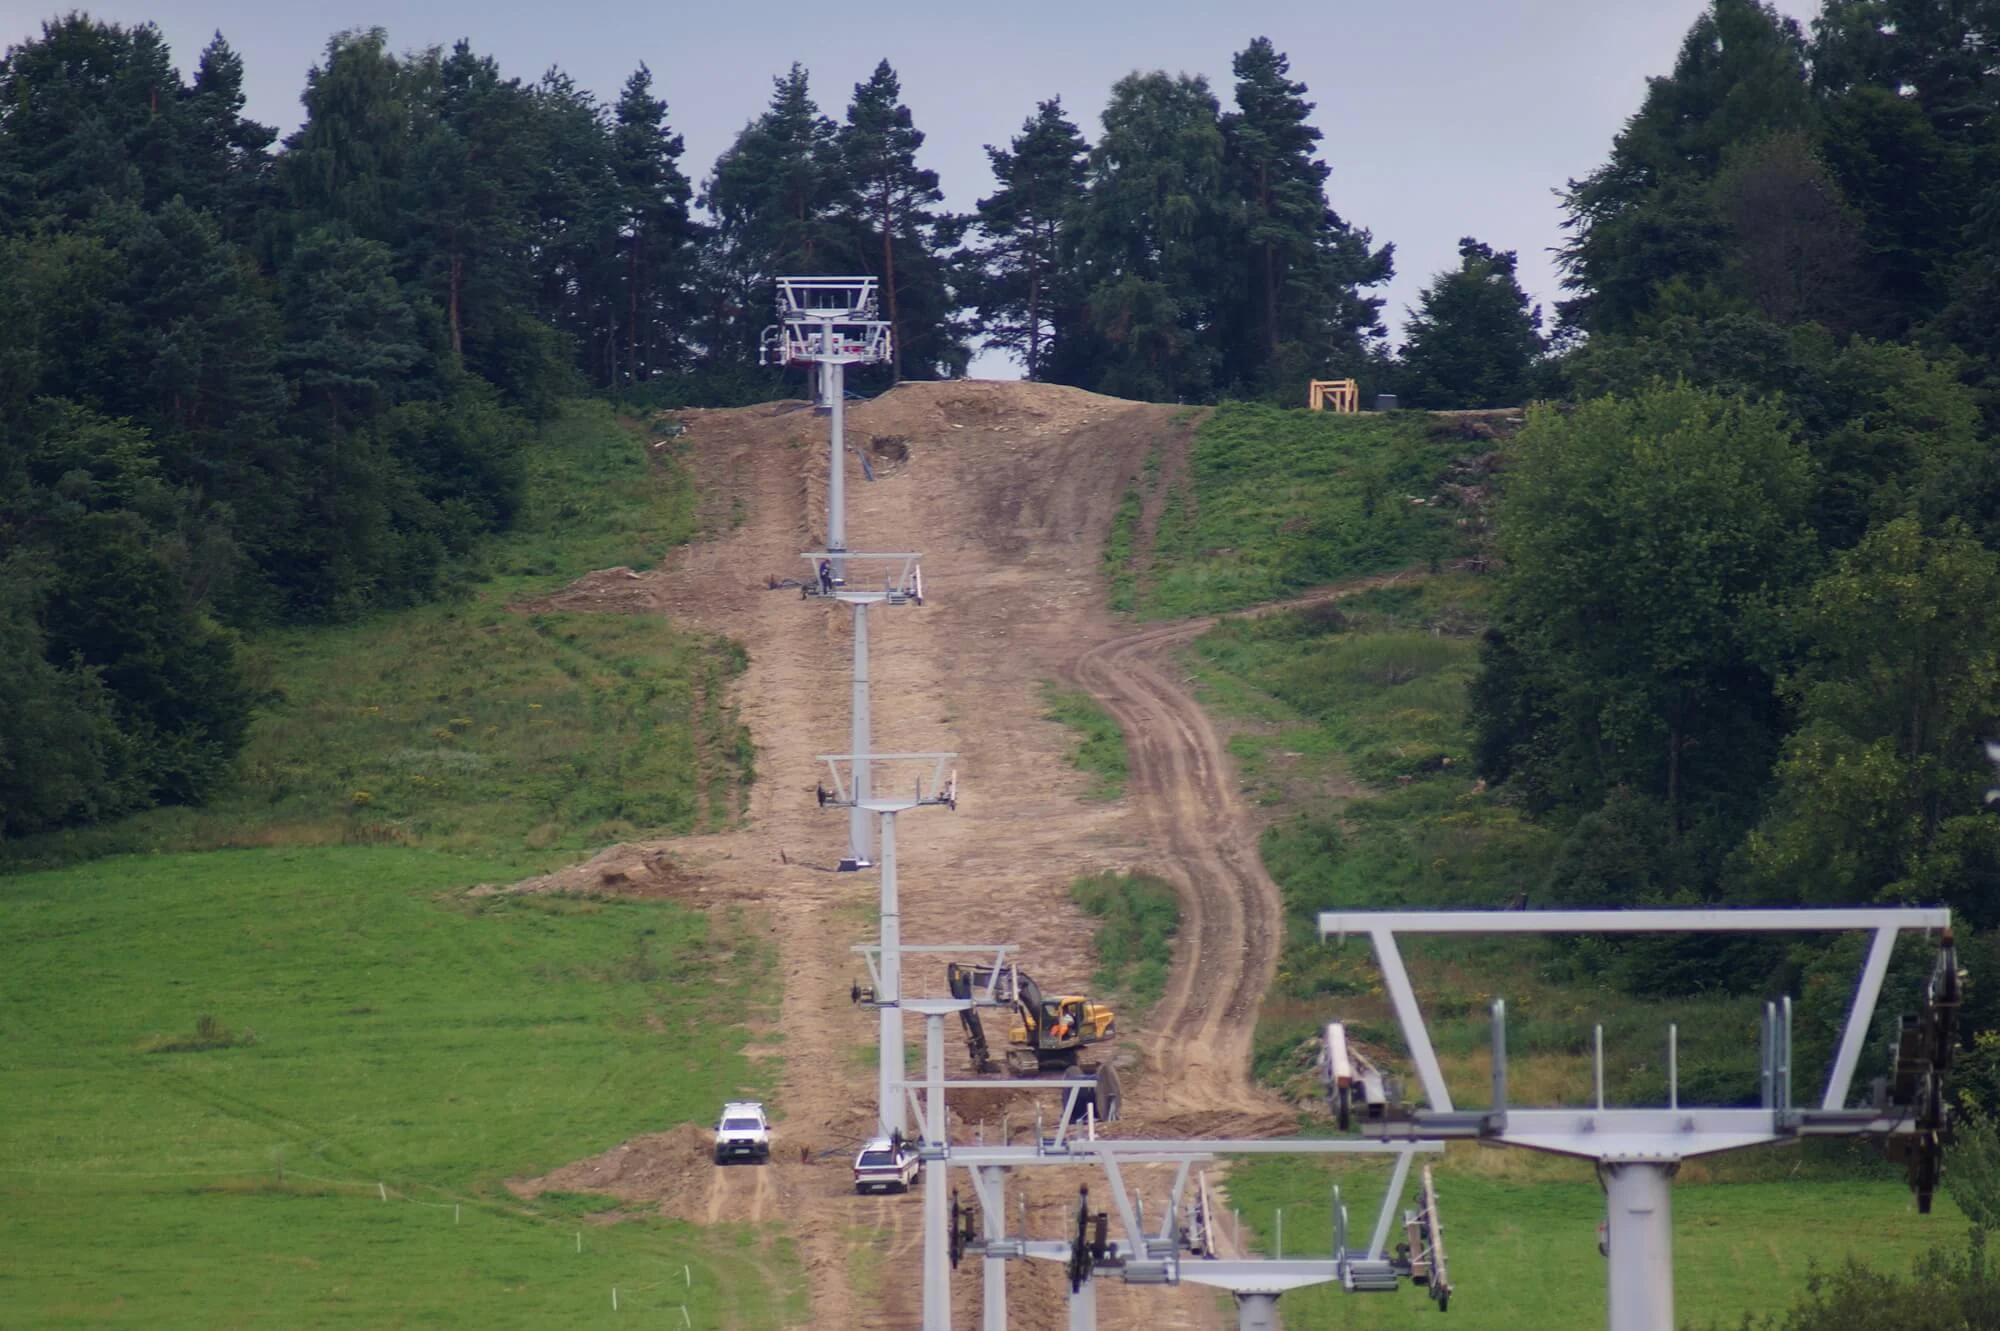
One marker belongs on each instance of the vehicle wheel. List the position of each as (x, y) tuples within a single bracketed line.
[(721, 1158)]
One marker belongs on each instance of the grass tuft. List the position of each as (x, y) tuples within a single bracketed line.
[(1137, 917), (1100, 745), (208, 1034)]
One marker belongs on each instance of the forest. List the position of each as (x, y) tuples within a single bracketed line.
[(1745, 639)]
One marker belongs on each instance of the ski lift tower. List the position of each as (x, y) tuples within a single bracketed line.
[(829, 323), (1638, 1149), (888, 995), (1182, 1248), (893, 579)]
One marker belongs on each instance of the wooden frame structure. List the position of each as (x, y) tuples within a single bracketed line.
[(1343, 395)]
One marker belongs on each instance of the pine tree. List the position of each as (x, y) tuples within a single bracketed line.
[(653, 226), (1473, 338), (1305, 265), (1025, 300), (575, 212), (771, 196), (1648, 215), (227, 158), (93, 117), (888, 206), (1148, 243)]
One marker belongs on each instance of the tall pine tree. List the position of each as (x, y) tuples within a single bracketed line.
[(888, 204), (1297, 307), (1649, 215), (1149, 243), (771, 196), (654, 230), (1025, 298)]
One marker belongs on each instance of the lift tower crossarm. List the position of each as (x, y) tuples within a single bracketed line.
[(1638, 1149), (1884, 921)]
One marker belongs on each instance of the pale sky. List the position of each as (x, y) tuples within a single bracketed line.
[(1442, 118)]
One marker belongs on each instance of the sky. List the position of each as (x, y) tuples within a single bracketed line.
[(1442, 118)]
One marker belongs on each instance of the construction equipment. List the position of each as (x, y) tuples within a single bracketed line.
[(1044, 1034), (1421, 1254), (1351, 1080), (1341, 395)]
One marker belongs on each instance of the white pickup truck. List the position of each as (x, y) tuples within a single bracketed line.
[(743, 1134), (887, 1166)]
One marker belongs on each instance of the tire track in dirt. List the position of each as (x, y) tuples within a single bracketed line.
[(1232, 923), (1199, 1039)]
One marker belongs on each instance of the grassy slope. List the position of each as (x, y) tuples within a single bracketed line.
[(1523, 1250), (1352, 734), (1282, 500), (1100, 743), (405, 1036), (467, 725)]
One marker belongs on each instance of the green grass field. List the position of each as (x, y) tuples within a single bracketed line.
[(281, 1085), (374, 1028), (1277, 500), (1523, 1248)]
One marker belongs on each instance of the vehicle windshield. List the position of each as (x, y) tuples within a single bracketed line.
[(740, 1125), (870, 1159)]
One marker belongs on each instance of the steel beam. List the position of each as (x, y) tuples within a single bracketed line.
[(1341, 923), (937, 1232), (889, 1050), (1859, 1019), (860, 843), (1640, 1227)]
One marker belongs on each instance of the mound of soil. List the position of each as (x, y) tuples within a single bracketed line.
[(632, 869), (606, 591), (667, 1169)]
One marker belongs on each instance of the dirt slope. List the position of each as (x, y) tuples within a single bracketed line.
[(1008, 490)]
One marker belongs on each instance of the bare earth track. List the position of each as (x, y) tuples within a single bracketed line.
[(1009, 490)]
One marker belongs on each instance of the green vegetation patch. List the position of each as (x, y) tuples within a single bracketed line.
[(1137, 917), (1285, 499), (473, 726), (601, 491), (1100, 744), (408, 1038), (1523, 1246)]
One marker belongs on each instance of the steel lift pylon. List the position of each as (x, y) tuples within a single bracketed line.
[(942, 792), (868, 580), (830, 323), (1639, 1149)]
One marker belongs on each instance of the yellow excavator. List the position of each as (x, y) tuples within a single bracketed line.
[(1044, 1034)]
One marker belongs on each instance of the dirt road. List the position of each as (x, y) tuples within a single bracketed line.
[(1009, 490), (1232, 923)]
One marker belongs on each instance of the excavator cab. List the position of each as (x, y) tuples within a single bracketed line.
[(1044, 1034)]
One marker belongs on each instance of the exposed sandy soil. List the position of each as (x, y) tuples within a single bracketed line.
[(1008, 490)]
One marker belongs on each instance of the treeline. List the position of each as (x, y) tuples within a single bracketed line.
[(1747, 645), (245, 382)]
